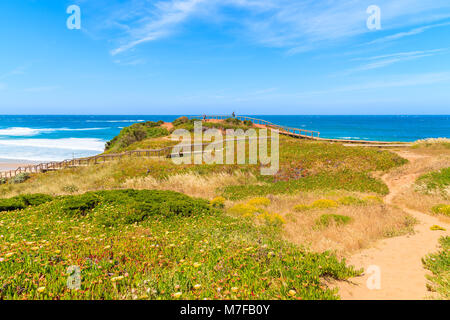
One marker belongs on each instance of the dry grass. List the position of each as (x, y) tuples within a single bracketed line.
[(422, 161), (370, 222), (70, 181), (192, 184)]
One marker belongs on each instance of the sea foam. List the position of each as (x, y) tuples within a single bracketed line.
[(28, 132), (89, 144)]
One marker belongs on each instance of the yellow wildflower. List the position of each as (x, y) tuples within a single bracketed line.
[(117, 278)]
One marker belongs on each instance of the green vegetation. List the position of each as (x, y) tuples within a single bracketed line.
[(326, 220), (134, 133), (432, 143), (344, 180), (254, 208), (181, 249), (218, 202), (437, 228), (309, 166), (231, 123), (439, 264), (437, 181), (261, 201), (23, 201), (349, 200), (129, 206), (324, 204), (441, 209), (20, 178)]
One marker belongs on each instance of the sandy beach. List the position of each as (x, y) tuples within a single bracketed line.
[(7, 165)]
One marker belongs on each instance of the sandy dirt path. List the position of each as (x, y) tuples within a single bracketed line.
[(399, 259)]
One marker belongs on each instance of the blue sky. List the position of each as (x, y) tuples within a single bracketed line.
[(216, 56)]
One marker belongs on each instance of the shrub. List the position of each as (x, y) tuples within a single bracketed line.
[(233, 121), (439, 264), (135, 205), (302, 207), (324, 204), (349, 200), (20, 178), (435, 181), (218, 202), (441, 209), (437, 228), (180, 121), (134, 133), (326, 219), (23, 201), (12, 204), (3, 181), (35, 199), (71, 188), (245, 210), (80, 204), (373, 199), (261, 201), (272, 219)]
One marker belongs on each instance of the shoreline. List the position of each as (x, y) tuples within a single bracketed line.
[(13, 164)]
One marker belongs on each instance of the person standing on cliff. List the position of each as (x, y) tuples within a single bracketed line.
[(233, 115)]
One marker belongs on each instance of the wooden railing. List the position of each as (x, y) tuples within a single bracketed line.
[(309, 134), (163, 152), (43, 167)]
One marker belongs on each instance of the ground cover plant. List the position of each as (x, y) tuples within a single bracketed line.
[(189, 251), (435, 182), (439, 264), (134, 133), (441, 209)]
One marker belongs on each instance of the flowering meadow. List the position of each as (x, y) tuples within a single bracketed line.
[(146, 244)]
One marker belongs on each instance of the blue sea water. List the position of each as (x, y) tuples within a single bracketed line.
[(49, 138)]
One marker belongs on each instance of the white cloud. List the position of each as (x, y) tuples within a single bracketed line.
[(297, 25), (167, 15), (409, 33), (17, 71), (381, 61)]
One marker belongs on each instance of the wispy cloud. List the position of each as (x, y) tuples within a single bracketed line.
[(17, 71), (298, 26), (381, 61), (166, 16), (409, 33)]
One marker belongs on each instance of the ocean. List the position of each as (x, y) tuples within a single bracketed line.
[(55, 138)]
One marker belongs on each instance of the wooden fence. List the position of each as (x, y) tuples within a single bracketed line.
[(301, 133)]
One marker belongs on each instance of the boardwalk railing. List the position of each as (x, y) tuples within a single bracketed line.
[(163, 152), (308, 134), (49, 166)]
